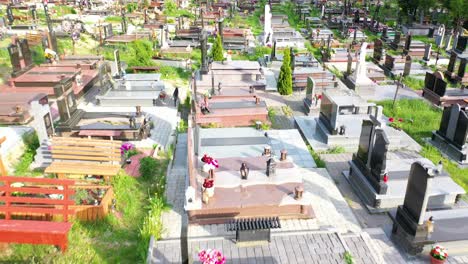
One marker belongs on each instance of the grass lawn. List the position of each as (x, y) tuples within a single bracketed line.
[(426, 118), (122, 237)]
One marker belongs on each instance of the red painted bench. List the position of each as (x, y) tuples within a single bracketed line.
[(15, 211)]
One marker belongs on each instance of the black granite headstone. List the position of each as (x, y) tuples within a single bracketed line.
[(389, 62), (440, 87), (364, 140), (462, 68), (452, 60), (14, 57), (417, 189), (26, 52), (408, 42), (444, 122), (9, 12), (461, 132), (407, 68), (378, 47), (204, 52), (378, 158), (461, 44)]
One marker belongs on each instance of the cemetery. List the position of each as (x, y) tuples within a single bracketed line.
[(246, 131)]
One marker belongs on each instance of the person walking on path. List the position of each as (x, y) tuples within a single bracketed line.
[(175, 95)]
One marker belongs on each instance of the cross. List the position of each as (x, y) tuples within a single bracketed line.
[(2, 166)]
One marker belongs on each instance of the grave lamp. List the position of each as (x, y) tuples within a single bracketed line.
[(244, 171), (385, 177)]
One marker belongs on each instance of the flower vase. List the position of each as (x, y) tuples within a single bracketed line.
[(437, 261), (209, 191), (206, 167)]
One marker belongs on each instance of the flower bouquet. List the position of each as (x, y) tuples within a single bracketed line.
[(126, 151), (211, 256), (396, 124), (438, 254), (208, 187), (210, 163)]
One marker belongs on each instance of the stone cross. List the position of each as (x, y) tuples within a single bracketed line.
[(407, 69), (268, 30), (361, 67)]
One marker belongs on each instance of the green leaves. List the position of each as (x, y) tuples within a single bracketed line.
[(218, 50), (285, 76)]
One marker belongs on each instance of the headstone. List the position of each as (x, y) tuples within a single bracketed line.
[(124, 21), (461, 44), (356, 16), (273, 51), (427, 52), (350, 63), (397, 39), (26, 52), (417, 192), (440, 36), (204, 52), (220, 30), (408, 43), (407, 69), (389, 62), (310, 90), (448, 40), (323, 11), (9, 12), (452, 60), (378, 48), (384, 33), (118, 64), (361, 67), (14, 57), (271, 167), (33, 12), (45, 43), (462, 68)]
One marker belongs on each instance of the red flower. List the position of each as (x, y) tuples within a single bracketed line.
[(400, 119), (320, 97), (385, 178), (208, 183), (391, 119)]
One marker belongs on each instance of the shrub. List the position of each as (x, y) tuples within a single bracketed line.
[(285, 75), (217, 52), (148, 168)]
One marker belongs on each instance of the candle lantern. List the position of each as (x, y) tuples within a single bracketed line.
[(244, 171)]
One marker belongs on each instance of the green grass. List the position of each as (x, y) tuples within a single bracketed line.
[(413, 83), (272, 116), (120, 238), (426, 119), (31, 143), (113, 19)]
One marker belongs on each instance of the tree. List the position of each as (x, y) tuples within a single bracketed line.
[(141, 53), (285, 75), (218, 52)]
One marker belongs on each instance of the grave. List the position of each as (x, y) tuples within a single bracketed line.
[(359, 79), (338, 124), (451, 138), (417, 29), (76, 122), (410, 221), (323, 78), (288, 37), (267, 190), (134, 90), (27, 109), (228, 91), (436, 91), (460, 54), (379, 176)]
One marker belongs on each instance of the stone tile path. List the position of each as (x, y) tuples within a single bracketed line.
[(320, 248), (291, 140)]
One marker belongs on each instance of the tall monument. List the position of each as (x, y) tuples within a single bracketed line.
[(268, 30)]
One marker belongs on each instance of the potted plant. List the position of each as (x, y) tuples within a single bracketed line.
[(211, 256), (208, 187), (127, 150), (438, 254)]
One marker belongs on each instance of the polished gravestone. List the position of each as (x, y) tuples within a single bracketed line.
[(451, 138), (379, 176), (436, 91), (410, 219)]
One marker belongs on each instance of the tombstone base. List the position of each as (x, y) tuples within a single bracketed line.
[(366, 192), (311, 108), (364, 84), (407, 233), (448, 149)]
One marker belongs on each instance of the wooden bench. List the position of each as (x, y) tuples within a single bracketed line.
[(85, 157), (33, 231)]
